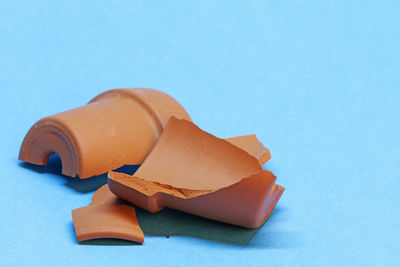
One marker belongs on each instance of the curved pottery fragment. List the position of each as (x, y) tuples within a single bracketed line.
[(251, 145), (115, 128), (193, 171), (107, 217)]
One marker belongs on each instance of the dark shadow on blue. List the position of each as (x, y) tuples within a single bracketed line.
[(54, 166), (128, 169), (169, 222), (80, 185), (109, 242)]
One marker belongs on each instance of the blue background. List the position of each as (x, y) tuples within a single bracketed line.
[(317, 81)]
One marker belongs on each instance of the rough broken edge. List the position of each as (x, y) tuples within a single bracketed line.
[(133, 189), (153, 196), (251, 145)]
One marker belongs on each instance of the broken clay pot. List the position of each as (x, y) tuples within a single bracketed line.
[(193, 171), (115, 128)]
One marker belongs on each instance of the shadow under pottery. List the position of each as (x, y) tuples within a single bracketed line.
[(167, 222), (54, 167)]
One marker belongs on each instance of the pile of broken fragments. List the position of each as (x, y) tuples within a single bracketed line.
[(181, 166)]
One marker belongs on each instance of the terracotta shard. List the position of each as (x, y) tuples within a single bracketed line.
[(247, 203), (107, 216), (107, 221), (193, 171), (115, 128), (253, 146), (187, 157), (103, 195)]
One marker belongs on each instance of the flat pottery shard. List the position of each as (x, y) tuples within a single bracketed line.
[(107, 216), (193, 171), (107, 221)]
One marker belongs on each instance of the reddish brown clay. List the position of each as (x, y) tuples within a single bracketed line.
[(251, 145), (115, 128), (103, 195), (106, 217), (107, 221), (196, 172)]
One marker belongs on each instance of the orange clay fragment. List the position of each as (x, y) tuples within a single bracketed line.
[(117, 127), (107, 221), (103, 195), (193, 171), (106, 217), (251, 145)]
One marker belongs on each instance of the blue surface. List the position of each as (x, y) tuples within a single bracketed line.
[(317, 81)]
